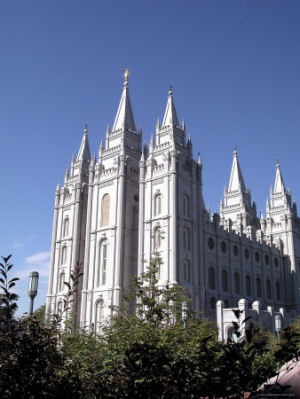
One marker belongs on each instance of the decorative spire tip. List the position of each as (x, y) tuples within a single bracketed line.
[(126, 76)]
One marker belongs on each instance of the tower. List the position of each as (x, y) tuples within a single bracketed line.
[(69, 224), (237, 208), (282, 226), (171, 204), (112, 217)]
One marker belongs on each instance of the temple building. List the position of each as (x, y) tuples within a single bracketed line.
[(114, 211)]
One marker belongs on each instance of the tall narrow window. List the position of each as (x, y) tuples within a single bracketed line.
[(105, 210), (186, 239), (61, 282), (102, 269), (278, 296), (63, 257), (248, 285), (157, 238), (224, 280), (187, 271), (186, 205), (211, 278), (99, 316), (237, 288), (66, 227), (258, 287), (157, 204), (268, 287)]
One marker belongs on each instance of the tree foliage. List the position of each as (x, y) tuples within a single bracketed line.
[(146, 353)]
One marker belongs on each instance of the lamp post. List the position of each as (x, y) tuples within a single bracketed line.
[(184, 313), (32, 289), (278, 325)]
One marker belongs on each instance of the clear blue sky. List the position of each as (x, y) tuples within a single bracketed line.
[(234, 66)]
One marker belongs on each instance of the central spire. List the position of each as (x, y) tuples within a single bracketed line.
[(170, 117), (236, 181), (124, 118)]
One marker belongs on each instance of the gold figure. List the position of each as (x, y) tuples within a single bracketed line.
[(126, 75)]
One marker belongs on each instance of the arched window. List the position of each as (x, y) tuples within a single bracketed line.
[(186, 205), (237, 288), (278, 296), (268, 287), (99, 316), (248, 285), (211, 278), (224, 280), (187, 271), (186, 239), (258, 287), (63, 256), (61, 282), (102, 268), (105, 210), (157, 204), (66, 227), (157, 238)]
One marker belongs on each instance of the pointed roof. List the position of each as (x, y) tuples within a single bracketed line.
[(84, 150), (124, 117), (170, 117), (279, 184), (236, 181)]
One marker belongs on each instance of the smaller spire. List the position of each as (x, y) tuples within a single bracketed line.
[(183, 124), (279, 184), (67, 174), (157, 124), (199, 162), (73, 157), (142, 157), (84, 150), (236, 181), (170, 117), (108, 129), (58, 186)]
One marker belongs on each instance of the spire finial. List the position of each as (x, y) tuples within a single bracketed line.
[(85, 128), (277, 161), (170, 89), (126, 76), (235, 150)]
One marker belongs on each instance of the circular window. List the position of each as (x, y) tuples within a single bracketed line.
[(267, 261), (235, 250), (210, 243), (247, 253), (257, 256), (223, 246), (276, 262)]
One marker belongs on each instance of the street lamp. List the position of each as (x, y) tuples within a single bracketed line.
[(184, 313), (278, 324), (32, 289)]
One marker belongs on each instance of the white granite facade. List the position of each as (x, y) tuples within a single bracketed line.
[(113, 212)]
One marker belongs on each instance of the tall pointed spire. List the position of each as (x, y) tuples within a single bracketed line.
[(170, 117), (124, 117), (236, 181), (279, 184), (84, 150)]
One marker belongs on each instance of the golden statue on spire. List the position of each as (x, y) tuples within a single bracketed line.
[(126, 75)]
